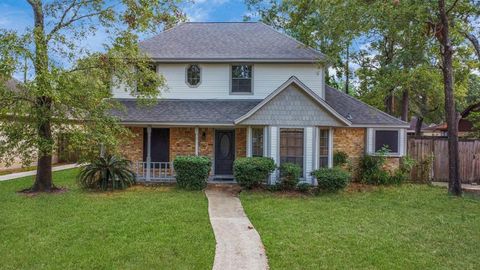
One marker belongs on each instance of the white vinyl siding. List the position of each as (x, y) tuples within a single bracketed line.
[(215, 81)]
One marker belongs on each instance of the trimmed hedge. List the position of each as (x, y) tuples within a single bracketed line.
[(290, 175), (192, 171), (331, 179), (252, 171)]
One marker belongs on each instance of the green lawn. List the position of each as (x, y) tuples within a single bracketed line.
[(141, 228), (408, 227)]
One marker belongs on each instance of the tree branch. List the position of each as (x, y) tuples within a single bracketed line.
[(474, 40), (452, 7), (63, 24)]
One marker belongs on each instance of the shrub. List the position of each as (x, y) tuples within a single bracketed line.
[(331, 179), (371, 170), (304, 187), (110, 172), (340, 158), (192, 171), (252, 171), (403, 172), (289, 175)]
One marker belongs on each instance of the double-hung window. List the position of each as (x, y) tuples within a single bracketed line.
[(241, 79), (257, 142), (291, 146), (323, 150)]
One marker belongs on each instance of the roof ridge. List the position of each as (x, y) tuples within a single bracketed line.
[(161, 32), (370, 106)]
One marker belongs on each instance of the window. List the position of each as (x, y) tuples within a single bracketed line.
[(291, 146), (257, 142), (241, 79), (193, 75), (323, 148), (387, 138)]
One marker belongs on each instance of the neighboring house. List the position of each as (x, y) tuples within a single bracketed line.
[(465, 126), (243, 89), (426, 130)]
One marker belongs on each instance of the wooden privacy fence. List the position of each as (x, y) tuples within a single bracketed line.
[(431, 155)]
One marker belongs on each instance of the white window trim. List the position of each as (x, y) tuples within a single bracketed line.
[(330, 147), (251, 79), (186, 75), (371, 133)]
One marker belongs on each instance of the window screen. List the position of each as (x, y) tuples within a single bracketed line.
[(257, 142), (387, 138), (323, 148), (291, 146), (241, 79)]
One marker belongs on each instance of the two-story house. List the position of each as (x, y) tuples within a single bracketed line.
[(244, 89)]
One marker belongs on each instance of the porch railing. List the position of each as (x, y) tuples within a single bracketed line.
[(155, 171)]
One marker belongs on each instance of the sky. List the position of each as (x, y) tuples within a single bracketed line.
[(17, 15)]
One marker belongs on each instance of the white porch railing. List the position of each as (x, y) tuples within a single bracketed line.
[(154, 171)]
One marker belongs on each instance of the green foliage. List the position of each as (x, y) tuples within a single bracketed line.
[(252, 171), (289, 175), (371, 170), (331, 179), (340, 158), (192, 171), (110, 172), (68, 87), (304, 187)]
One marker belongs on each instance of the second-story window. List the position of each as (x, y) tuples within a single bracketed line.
[(193, 75), (241, 79)]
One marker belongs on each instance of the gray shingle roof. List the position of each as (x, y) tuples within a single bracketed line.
[(217, 111), (208, 111), (361, 113), (225, 42)]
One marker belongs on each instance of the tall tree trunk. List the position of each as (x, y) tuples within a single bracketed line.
[(389, 103), (347, 71), (405, 101), (418, 126), (43, 106), (454, 185)]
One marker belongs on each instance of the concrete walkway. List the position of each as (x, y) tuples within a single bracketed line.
[(30, 173), (469, 188), (238, 244)]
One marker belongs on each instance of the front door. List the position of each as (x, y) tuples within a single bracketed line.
[(224, 152)]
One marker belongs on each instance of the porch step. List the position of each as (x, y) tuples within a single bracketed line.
[(227, 187)]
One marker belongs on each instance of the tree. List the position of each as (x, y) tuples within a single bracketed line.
[(68, 93)]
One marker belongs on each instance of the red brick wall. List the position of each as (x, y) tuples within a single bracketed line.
[(182, 142), (132, 148), (240, 142)]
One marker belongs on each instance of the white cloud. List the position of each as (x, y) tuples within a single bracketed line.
[(202, 10)]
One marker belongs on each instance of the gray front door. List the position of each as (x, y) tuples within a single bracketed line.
[(224, 152)]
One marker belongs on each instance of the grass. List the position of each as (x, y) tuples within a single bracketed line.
[(140, 228), (408, 227)]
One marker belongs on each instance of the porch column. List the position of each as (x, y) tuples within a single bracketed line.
[(273, 136), (330, 147), (249, 141), (308, 154), (196, 141), (149, 152)]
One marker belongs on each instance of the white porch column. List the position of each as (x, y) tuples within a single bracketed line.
[(274, 134), (308, 154), (330, 147), (249, 141), (149, 152), (196, 141)]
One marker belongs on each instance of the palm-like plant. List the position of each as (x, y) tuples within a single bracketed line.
[(110, 172)]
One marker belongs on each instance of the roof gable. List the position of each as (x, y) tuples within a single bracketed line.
[(214, 42), (293, 103)]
